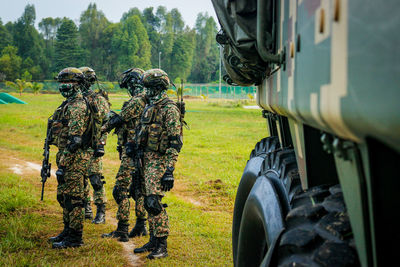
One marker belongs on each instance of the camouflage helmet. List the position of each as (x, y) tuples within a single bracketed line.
[(156, 79), (90, 75), (132, 76), (70, 74)]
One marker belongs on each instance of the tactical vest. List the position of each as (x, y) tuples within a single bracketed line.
[(127, 132), (152, 134), (60, 128), (93, 134)]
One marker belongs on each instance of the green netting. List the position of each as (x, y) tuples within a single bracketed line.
[(207, 90)]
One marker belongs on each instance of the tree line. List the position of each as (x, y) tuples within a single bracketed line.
[(144, 39)]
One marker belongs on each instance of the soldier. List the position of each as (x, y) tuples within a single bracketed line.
[(100, 107), (125, 124), (160, 136), (73, 138)]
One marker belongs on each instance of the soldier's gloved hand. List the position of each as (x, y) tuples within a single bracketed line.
[(60, 173), (99, 152), (167, 181), (74, 144), (130, 149)]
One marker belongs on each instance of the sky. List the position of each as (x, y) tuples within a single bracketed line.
[(11, 10)]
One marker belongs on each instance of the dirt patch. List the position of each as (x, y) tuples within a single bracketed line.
[(181, 191), (21, 167), (128, 247)]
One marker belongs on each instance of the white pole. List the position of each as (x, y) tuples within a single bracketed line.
[(159, 60), (220, 61)]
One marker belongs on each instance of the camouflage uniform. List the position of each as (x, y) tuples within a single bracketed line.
[(130, 114), (71, 134), (158, 156), (71, 119), (160, 136), (95, 163), (125, 125)]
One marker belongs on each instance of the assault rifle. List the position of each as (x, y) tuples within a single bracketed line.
[(181, 105), (137, 174), (45, 172)]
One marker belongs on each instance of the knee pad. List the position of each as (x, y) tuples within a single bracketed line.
[(118, 194), (71, 202), (96, 181), (153, 205)]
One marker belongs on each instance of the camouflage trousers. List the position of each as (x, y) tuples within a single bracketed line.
[(123, 181), (95, 167), (72, 190), (154, 169)]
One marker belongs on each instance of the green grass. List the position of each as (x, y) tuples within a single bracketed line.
[(216, 148)]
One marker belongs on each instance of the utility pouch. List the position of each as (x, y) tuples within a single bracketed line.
[(154, 137), (164, 143), (148, 115), (142, 135)]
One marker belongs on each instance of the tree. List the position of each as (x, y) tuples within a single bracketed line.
[(10, 63), (182, 55), (152, 24), (177, 22), (131, 43), (19, 85), (91, 29), (36, 87), (5, 36), (205, 62), (131, 12), (110, 53), (166, 37), (48, 28), (29, 42), (68, 53)]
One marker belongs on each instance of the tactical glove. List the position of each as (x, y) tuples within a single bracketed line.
[(130, 149), (99, 152), (74, 144), (60, 175), (167, 181)]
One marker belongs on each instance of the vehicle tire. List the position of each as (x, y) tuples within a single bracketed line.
[(266, 206), (250, 174), (317, 231)]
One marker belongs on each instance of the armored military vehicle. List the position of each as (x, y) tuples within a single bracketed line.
[(322, 189)]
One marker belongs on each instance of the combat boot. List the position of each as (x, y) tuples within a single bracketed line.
[(88, 211), (60, 237), (72, 240), (139, 229), (100, 215), (121, 233), (160, 251), (149, 246)]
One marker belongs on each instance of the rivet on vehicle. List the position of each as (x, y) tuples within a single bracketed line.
[(291, 49), (336, 15), (322, 21)]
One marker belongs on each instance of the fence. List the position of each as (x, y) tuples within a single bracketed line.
[(205, 90)]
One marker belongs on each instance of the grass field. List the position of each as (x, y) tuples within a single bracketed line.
[(216, 148)]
